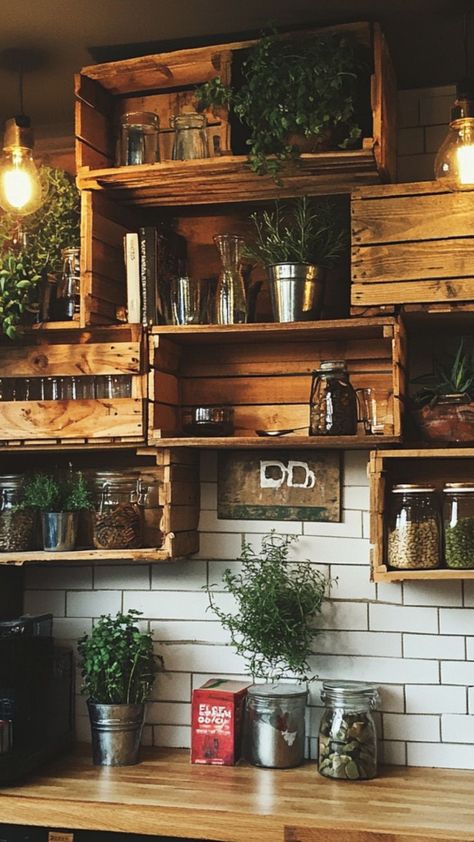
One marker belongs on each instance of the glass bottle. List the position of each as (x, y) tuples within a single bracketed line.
[(458, 517), (17, 525), (139, 138), (230, 305), (117, 519), (333, 401), (190, 138), (69, 288), (414, 528), (347, 735)]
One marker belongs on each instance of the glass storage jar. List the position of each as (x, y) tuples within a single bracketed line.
[(17, 525), (138, 144), (117, 519), (190, 138), (333, 401), (414, 528), (69, 287), (347, 735), (458, 517)]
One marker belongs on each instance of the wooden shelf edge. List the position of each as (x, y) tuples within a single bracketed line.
[(427, 452), (441, 574), (360, 327), (41, 556), (273, 442)]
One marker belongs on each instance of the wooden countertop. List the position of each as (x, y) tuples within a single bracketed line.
[(164, 794)]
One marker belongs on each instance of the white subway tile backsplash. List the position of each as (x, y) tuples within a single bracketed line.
[(39, 602), (435, 109), (212, 659), (351, 582), (122, 577), (190, 631), (469, 593), (408, 110), (411, 140), (57, 577), (186, 575), (442, 755), (393, 753), (412, 727), (392, 698), (172, 736), (65, 628), (356, 497), (221, 545), (390, 592), (209, 522), (168, 713), (208, 465), (443, 593), (332, 550), (374, 669), (359, 643), (457, 729), (349, 527), (401, 618), (433, 646), (168, 605), (343, 615), (470, 696), (208, 495), (453, 620), (94, 603), (457, 672), (355, 467), (172, 687)]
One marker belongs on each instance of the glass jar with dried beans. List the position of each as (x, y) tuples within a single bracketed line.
[(414, 528), (17, 524), (347, 735), (458, 517), (333, 402), (117, 519)]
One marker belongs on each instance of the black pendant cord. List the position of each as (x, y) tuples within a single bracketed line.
[(20, 90)]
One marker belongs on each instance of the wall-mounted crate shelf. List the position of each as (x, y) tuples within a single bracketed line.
[(263, 372), (412, 245), (75, 353), (387, 468)]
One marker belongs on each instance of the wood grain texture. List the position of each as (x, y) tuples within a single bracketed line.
[(68, 360), (87, 419), (165, 794)]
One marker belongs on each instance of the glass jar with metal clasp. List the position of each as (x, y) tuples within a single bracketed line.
[(17, 524), (458, 518), (347, 734), (117, 520), (333, 401), (413, 528)]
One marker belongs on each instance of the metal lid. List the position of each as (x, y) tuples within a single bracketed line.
[(354, 692), (328, 365), (283, 691), (412, 488), (453, 487)]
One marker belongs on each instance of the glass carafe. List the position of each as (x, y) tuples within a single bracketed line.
[(230, 306)]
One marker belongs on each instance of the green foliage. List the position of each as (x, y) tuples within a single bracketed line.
[(117, 661), (452, 376), (49, 493), (277, 602), (304, 85), (301, 231), (28, 251)]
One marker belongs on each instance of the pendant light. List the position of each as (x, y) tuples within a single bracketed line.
[(21, 190), (454, 163)]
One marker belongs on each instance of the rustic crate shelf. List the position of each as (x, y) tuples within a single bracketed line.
[(42, 557), (263, 371), (427, 464), (273, 442)]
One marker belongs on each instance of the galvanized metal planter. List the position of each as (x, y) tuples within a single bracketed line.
[(116, 733), (275, 725), (296, 291), (59, 530)]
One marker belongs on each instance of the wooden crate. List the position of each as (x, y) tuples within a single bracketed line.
[(264, 373), (387, 468), (67, 353), (412, 244)]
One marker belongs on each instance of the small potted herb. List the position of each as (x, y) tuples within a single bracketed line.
[(297, 242), (59, 499), (118, 668), (304, 86), (273, 629), (444, 406)]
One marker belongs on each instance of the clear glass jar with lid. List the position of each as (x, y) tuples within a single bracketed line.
[(17, 524), (414, 528), (190, 138), (333, 401), (117, 522), (458, 518), (347, 734)]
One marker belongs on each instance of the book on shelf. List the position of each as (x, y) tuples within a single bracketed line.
[(162, 257), (132, 272)]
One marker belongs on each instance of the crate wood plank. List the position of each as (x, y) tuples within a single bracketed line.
[(76, 419), (48, 359), (384, 98), (402, 292), (285, 332), (359, 442), (451, 258), (94, 128), (148, 554)]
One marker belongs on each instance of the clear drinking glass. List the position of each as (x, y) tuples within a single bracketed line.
[(370, 414), (51, 388), (121, 386), (190, 138), (139, 138), (104, 387), (185, 296), (231, 306), (68, 389), (85, 388)]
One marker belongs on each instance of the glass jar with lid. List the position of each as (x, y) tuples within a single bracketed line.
[(333, 401), (117, 519), (17, 524), (138, 143), (458, 517), (414, 528), (347, 734), (190, 138)]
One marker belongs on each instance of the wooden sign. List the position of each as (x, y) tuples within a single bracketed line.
[(279, 485)]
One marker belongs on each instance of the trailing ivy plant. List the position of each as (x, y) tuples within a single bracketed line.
[(305, 85), (33, 247), (277, 605), (117, 661)]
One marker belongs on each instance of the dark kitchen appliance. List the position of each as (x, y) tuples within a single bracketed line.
[(36, 696)]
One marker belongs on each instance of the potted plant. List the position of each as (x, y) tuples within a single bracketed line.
[(304, 86), (118, 668), (31, 251), (59, 499), (273, 629), (444, 406), (297, 242)]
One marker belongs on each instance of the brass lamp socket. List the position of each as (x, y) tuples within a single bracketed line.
[(18, 133)]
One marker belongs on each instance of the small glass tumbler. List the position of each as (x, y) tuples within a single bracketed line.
[(104, 386), (85, 388), (68, 389), (369, 412), (51, 388), (139, 138), (22, 388), (185, 301), (121, 386)]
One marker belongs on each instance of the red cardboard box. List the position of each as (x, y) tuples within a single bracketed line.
[(217, 712)]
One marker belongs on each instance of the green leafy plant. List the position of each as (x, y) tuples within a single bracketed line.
[(306, 85), (277, 603), (117, 661), (452, 376), (301, 231), (33, 248), (50, 493)]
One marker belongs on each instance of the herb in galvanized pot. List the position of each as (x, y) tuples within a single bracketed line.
[(59, 499)]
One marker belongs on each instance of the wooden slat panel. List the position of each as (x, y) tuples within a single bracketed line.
[(384, 113), (306, 834), (453, 258), (48, 359), (75, 419), (93, 127), (410, 291)]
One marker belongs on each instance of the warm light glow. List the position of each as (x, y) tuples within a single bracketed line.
[(454, 164), (20, 184), (465, 156)]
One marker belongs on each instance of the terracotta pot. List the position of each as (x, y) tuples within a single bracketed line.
[(451, 419)]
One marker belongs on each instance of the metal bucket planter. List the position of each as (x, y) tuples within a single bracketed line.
[(296, 291), (275, 725), (59, 531), (116, 733)]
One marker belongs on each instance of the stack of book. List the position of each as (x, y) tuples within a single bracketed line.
[(153, 256)]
